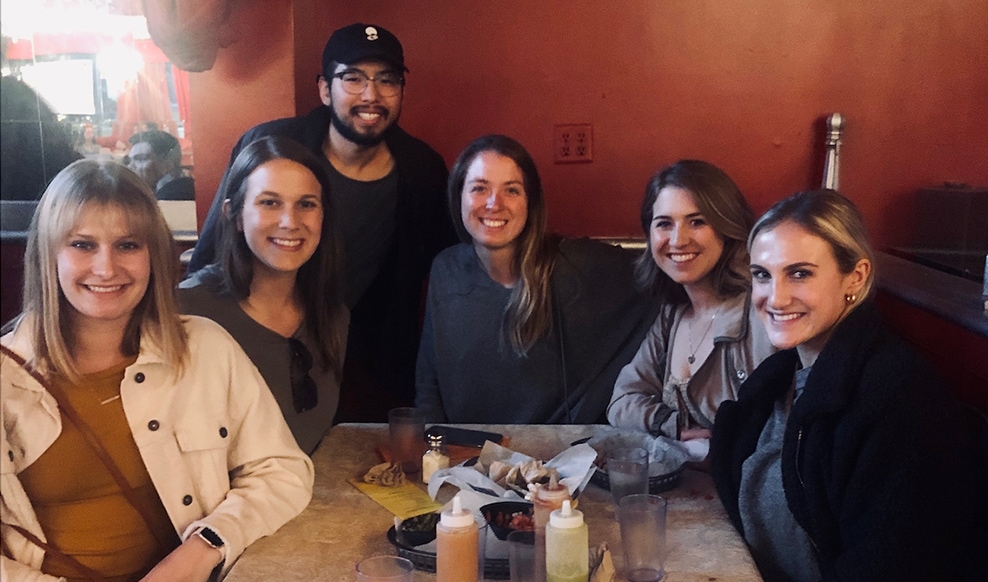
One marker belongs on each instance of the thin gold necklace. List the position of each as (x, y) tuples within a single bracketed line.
[(692, 357)]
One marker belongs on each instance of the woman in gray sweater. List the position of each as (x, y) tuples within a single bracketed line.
[(520, 326)]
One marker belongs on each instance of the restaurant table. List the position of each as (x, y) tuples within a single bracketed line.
[(341, 525)]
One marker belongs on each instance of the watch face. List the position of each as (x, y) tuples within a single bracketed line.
[(211, 537)]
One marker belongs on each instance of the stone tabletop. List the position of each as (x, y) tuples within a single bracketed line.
[(341, 525)]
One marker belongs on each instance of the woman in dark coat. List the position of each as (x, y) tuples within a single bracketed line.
[(845, 456)]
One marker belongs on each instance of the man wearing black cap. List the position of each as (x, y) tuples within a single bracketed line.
[(388, 192)]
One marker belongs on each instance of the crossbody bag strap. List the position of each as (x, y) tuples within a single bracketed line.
[(56, 554), (561, 344), (70, 413)]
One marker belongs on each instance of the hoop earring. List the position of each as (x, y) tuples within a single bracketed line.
[(850, 298)]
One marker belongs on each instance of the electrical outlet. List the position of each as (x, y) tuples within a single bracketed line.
[(573, 143)]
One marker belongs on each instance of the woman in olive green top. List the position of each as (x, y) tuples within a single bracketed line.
[(278, 285)]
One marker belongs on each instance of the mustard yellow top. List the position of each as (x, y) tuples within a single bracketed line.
[(82, 510)]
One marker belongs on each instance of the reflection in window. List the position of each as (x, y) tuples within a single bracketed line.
[(81, 78)]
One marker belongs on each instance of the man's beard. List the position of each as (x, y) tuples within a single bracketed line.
[(352, 135), (150, 176)]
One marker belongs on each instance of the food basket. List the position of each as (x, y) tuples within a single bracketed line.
[(667, 458)]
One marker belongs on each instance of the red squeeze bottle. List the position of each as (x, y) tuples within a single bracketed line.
[(549, 498)]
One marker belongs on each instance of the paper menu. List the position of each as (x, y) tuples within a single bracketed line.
[(405, 501)]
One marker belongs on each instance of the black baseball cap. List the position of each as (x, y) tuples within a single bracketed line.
[(359, 41)]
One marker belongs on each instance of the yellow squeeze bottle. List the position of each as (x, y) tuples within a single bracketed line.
[(567, 546)]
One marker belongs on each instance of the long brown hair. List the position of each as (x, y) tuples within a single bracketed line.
[(528, 314), (320, 280), (725, 208), (84, 185)]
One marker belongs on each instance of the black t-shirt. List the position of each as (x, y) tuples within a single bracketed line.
[(366, 214)]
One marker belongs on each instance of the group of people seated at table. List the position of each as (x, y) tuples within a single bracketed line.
[(142, 444)]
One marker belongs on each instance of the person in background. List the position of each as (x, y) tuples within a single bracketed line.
[(277, 284), (156, 156), (845, 456), (387, 189), (707, 338), (521, 327), (87, 146), (136, 443)]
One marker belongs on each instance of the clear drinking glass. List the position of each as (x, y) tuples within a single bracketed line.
[(522, 556), (385, 569), (627, 472), (643, 536), (407, 431)]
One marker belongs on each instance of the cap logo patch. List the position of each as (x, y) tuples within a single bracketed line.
[(371, 33)]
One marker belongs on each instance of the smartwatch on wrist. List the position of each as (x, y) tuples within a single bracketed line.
[(211, 538)]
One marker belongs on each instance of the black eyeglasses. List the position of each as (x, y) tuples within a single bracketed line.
[(387, 83), (304, 393)]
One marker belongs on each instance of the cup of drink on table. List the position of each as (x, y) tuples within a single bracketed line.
[(407, 431), (627, 472), (643, 536), (385, 569)]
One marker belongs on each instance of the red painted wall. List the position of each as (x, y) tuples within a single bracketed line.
[(742, 84), (252, 81)]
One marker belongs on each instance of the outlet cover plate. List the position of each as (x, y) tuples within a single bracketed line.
[(572, 143)]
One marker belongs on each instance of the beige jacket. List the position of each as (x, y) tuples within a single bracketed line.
[(213, 440), (645, 397)]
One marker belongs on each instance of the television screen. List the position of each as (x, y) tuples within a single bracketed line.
[(66, 85)]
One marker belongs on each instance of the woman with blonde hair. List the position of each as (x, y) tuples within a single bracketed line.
[(520, 326), (706, 339), (845, 456), (136, 444)]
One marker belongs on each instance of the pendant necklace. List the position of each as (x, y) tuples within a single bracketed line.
[(692, 357)]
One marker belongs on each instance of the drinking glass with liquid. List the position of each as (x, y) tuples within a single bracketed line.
[(627, 472)]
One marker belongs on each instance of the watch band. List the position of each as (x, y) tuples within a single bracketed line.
[(210, 537)]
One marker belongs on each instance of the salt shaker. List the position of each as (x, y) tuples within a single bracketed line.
[(435, 458)]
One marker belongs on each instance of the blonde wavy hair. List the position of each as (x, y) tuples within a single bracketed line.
[(835, 219)]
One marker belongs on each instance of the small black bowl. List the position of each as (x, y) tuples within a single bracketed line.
[(418, 530), (499, 514)]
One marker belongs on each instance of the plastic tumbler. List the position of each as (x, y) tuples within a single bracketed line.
[(627, 472), (407, 431), (385, 569), (643, 536), (524, 551)]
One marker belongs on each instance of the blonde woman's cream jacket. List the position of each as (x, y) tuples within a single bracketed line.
[(213, 440)]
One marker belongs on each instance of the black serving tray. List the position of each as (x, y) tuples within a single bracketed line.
[(494, 568)]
